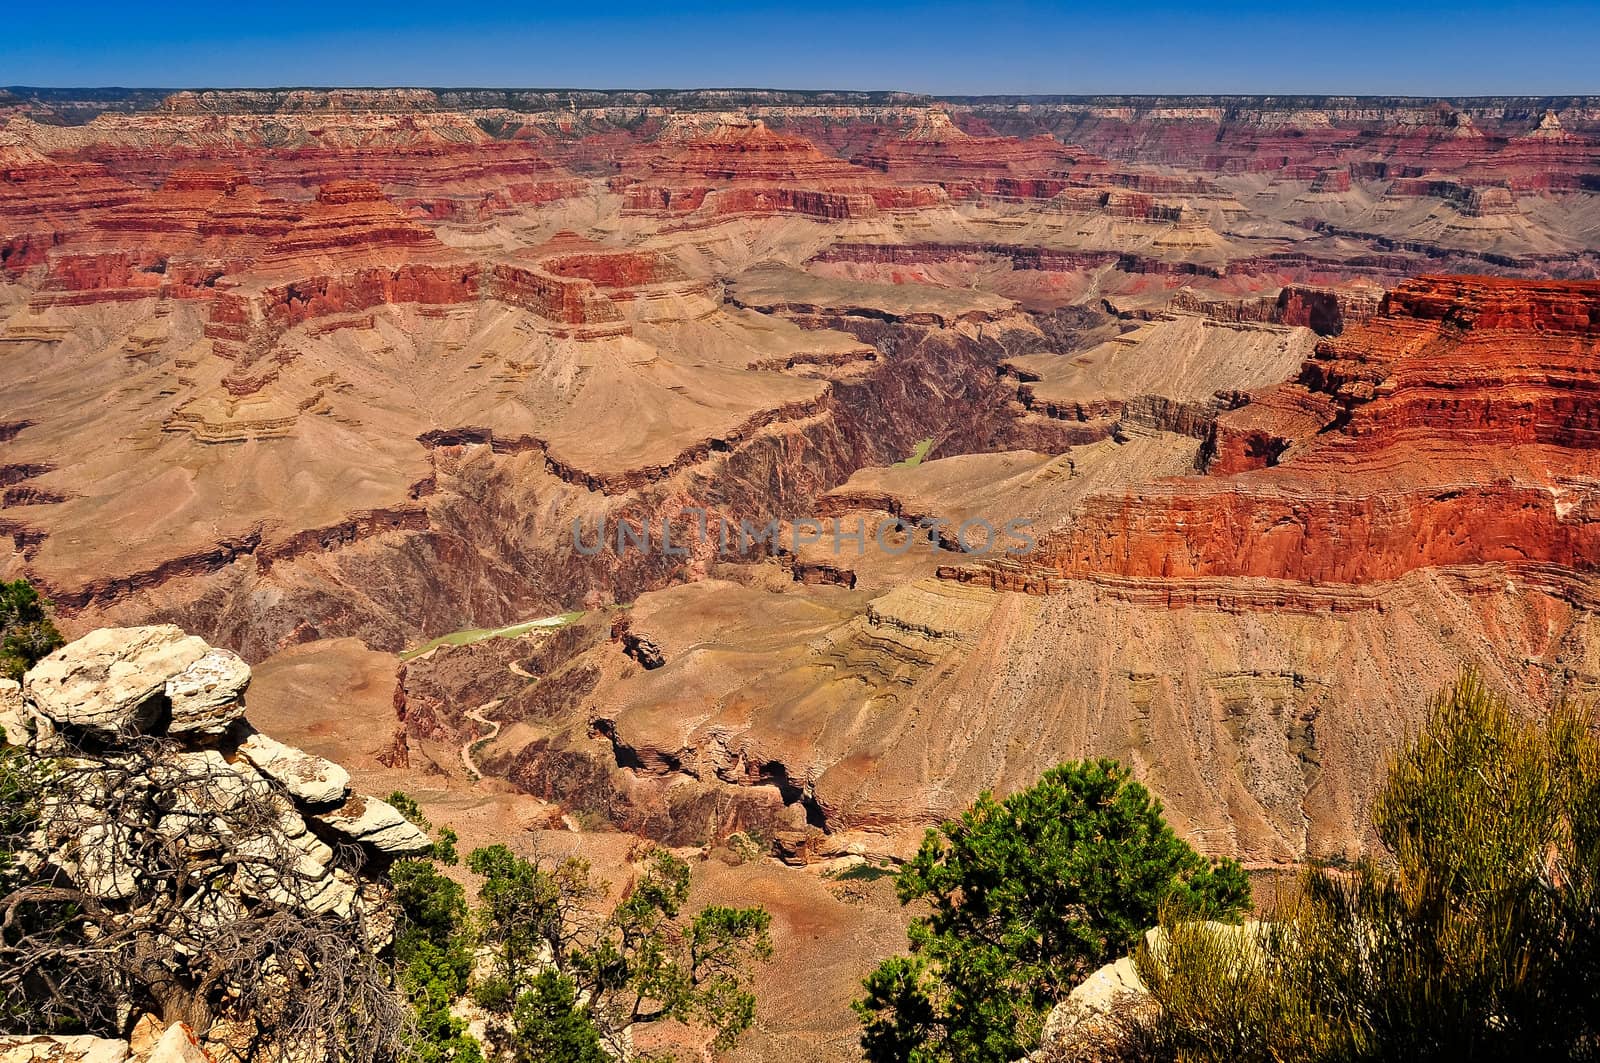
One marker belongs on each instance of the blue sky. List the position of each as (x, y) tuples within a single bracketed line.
[(1461, 48)]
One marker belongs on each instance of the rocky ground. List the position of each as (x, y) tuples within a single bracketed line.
[(323, 377)]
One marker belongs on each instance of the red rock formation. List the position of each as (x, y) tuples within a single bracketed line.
[(1460, 427), (1312, 291), (1331, 181), (42, 200), (740, 166), (1544, 150), (268, 264), (199, 226), (212, 199), (566, 300), (935, 151), (441, 182), (1325, 311)]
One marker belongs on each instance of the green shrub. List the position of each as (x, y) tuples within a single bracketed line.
[(1474, 938), (1028, 895), (865, 873), (26, 633), (567, 981)]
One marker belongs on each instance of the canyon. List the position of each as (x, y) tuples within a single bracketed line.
[(1297, 398)]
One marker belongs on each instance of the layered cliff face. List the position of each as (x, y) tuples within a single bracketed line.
[(1250, 639), (205, 228), (290, 367), (736, 165), (1456, 428), (936, 150)]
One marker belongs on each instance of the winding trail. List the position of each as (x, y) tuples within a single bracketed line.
[(477, 716)]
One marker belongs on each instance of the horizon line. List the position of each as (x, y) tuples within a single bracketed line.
[(937, 96)]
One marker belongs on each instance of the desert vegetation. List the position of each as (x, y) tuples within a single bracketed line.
[(468, 636), (1027, 895), (549, 974), (26, 631), (163, 863), (1472, 936), (151, 922)]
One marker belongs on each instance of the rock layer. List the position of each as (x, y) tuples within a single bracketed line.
[(1457, 428)]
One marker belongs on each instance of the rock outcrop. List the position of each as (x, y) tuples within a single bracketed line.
[(114, 681), (14, 719), (307, 778), (177, 823), (377, 824), (113, 687), (95, 701), (208, 695), (27, 1048), (731, 165)]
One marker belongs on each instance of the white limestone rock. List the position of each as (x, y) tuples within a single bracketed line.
[(1087, 1020), (13, 713), (242, 805), (305, 776), (208, 696), (205, 781), (375, 823), (46, 740), (102, 862), (178, 1045), (1101, 994), (112, 680), (293, 873), (41, 1048)]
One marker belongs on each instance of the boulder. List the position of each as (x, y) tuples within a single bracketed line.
[(39, 1048), (794, 847), (376, 823), (45, 740), (1098, 994), (208, 696), (1085, 1026), (146, 1034), (112, 680), (305, 776)]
